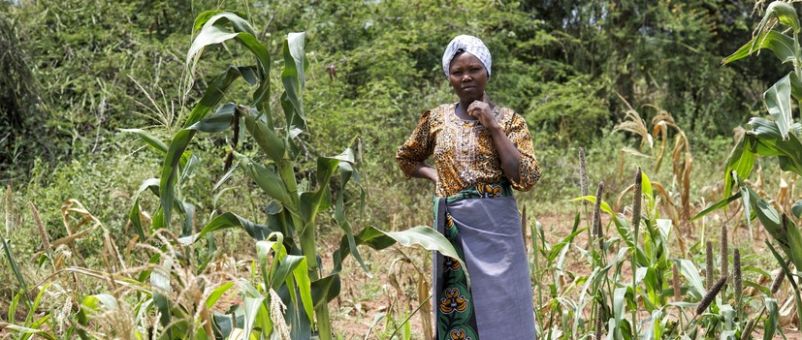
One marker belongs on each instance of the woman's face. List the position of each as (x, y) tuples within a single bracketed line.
[(468, 77)]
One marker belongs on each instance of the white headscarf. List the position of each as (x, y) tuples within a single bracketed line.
[(470, 44)]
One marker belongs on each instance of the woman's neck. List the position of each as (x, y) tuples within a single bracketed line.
[(462, 110)]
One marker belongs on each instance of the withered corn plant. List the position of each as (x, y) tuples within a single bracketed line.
[(290, 235)]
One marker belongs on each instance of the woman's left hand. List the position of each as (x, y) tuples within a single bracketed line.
[(482, 112)]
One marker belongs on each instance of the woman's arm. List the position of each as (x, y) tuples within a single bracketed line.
[(419, 146), (423, 170), (508, 154)]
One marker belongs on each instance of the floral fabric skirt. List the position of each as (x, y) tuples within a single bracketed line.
[(484, 227)]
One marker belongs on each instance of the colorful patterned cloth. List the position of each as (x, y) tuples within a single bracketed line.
[(483, 225), (464, 153)]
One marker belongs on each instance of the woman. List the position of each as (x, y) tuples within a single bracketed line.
[(480, 151)]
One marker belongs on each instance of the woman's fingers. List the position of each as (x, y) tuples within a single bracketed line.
[(479, 110)]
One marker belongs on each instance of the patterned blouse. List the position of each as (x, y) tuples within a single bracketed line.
[(464, 154)]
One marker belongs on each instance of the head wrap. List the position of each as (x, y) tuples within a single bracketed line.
[(470, 44)]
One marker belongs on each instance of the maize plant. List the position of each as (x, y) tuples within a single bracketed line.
[(289, 237), (777, 136), (616, 303)]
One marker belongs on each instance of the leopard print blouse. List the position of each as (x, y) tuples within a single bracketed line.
[(464, 154)]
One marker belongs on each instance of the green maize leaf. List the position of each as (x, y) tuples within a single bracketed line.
[(619, 302), (718, 205), (94, 303), (187, 165), (270, 182), (326, 166), (266, 138), (749, 213), (15, 269), (304, 284), (325, 289), (169, 173), (12, 307), (781, 45), (163, 306), (215, 17), (160, 276), (28, 331), (794, 242), (654, 288), (29, 319), (281, 266), (189, 212), (796, 86), (790, 276), (765, 139), (221, 181), (293, 78), (772, 322), (563, 244), (768, 140), (339, 216), (213, 94), (284, 269), (158, 218), (369, 236), (429, 239), (136, 221), (740, 162), (796, 209), (654, 330), (223, 325), (768, 129), (250, 74), (691, 274), (287, 173), (346, 171), (203, 18), (230, 220), (560, 264), (612, 330), (254, 310), (213, 35), (149, 139), (785, 14), (778, 103), (621, 225), (664, 226), (314, 201), (200, 334), (217, 293), (772, 221), (220, 120), (295, 316), (263, 249), (134, 213)]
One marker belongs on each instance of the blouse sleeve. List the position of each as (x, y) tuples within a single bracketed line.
[(418, 146), (528, 169)]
